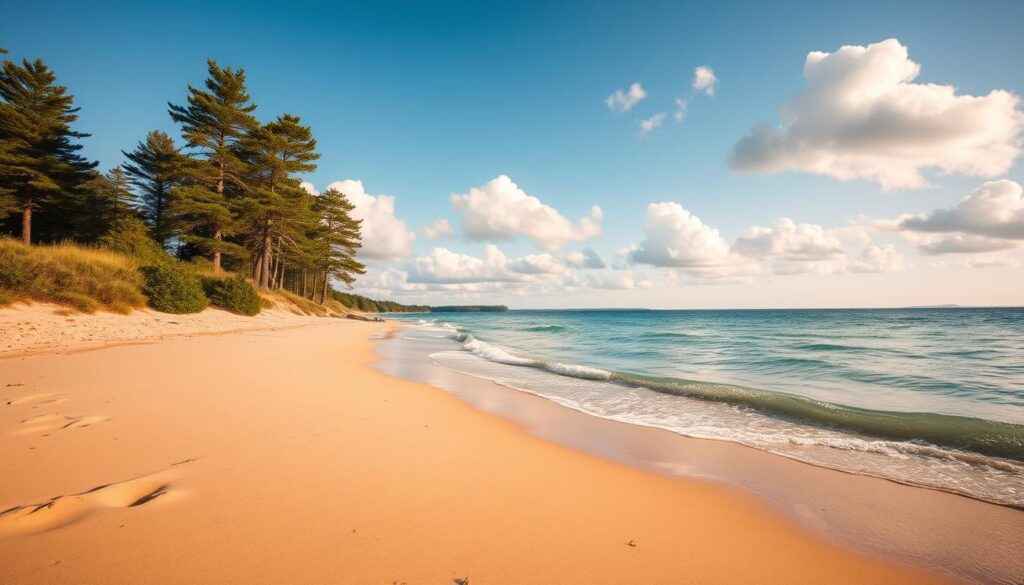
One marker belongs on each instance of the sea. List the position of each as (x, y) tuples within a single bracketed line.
[(925, 397)]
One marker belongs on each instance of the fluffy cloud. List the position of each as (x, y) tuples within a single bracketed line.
[(438, 230), (448, 274), (623, 101), (443, 266), (538, 264), (309, 188), (647, 125), (704, 80), (860, 116), (614, 280), (879, 259), (500, 210), (681, 107), (385, 237), (794, 248), (790, 241), (676, 238), (989, 219), (588, 258), (935, 245), (995, 210)]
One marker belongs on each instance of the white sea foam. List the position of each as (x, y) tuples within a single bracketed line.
[(494, 353), (576, 371)]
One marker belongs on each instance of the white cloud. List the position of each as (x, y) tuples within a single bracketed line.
[(385, 237), (989, 219), (860, 116), (995, 210), (681, 107), (790, 241), (447, 273), (309, 188), (794, 248), (879, 259), (500, 210), (704, 80), (935, 245), (676, 238), (538, 264), (443, 266), (615, 280), (438, 230), (988, 262), (588, 258), (623, 101), (647, 125)]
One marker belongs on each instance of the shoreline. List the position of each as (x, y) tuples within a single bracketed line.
[(292, 459), (851, 509)]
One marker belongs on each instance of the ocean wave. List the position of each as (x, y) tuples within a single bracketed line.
[(546, 329), (493, 353), (985, 437), (576, 371)]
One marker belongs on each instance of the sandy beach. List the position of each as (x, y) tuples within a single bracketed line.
[(279, 455)]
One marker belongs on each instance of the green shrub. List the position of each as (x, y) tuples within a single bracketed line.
[(173, 288), (131, 237), (84, 278), (233, 294)]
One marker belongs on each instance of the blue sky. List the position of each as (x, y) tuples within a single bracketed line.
[(421, 100)]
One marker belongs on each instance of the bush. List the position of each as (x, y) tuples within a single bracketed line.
[(173, 288), (233, 294), (84, 278), (131, 237)]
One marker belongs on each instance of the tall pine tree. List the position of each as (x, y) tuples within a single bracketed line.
[(274, 208), (213, 123), (39, 161), (154, 168), (340, 239)]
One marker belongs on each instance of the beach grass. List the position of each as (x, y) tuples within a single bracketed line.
[(83, 278)]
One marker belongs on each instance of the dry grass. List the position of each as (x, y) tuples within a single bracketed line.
[(86, 279), (302, 306)]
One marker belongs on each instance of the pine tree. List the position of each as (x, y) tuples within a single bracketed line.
[(340, 239), (155, 167), (213, 123), (112, 198), (39, 160), (274, 206)]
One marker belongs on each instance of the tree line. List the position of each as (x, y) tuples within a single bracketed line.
[(228, 192)]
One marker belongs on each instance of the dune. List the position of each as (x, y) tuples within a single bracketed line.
[(276, 455)]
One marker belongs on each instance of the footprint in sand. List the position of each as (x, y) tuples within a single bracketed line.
[(35, 400), (58, 422), (63, 510)]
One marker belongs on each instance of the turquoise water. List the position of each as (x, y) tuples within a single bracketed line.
[(931, 397)]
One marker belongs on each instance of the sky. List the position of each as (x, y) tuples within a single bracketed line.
[(592, 154)]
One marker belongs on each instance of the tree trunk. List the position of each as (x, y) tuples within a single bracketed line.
[(278, 271), (303, 283), (218, 236), (26, 225), (265, 262)]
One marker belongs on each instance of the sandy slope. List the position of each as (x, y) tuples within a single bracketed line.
[(40, 327), (277, 457)]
